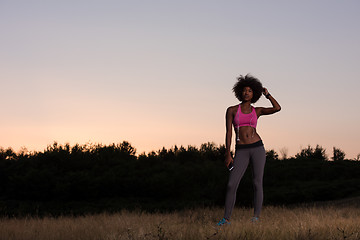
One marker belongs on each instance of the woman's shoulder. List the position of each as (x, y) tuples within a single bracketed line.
[(233, 108), (258, 110)]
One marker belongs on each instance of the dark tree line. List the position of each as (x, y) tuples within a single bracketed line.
[(94, 178)]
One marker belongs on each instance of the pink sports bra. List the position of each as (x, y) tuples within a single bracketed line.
[(242, 119)]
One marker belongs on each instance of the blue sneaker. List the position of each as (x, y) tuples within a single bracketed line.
[(254, 219), (223, 222)]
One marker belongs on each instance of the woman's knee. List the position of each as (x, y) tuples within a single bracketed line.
[(258, 184), (231, 187)]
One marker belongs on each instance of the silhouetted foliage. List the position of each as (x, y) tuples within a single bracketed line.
[(338, 155), (272, 155), (92, 178), (312, 153)]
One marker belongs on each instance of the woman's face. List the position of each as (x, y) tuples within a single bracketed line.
[(247, 94)]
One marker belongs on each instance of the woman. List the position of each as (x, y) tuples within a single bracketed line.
[(249, 146)]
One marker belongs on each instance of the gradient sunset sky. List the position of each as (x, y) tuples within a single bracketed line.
[(159, 73)]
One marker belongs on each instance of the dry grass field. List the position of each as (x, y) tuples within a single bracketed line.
[(338, 220)]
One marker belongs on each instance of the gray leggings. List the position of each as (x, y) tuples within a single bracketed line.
[(241, 160)]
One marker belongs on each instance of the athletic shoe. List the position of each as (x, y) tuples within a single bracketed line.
[(223, 222), (254, 219)]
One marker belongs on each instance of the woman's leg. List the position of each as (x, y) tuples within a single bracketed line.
[(258, 159), (241, 161)]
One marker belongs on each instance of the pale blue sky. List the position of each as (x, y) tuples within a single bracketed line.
[(160, 73)]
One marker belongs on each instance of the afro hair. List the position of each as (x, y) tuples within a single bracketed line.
[(248, 81)]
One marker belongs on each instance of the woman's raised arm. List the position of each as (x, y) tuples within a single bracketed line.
[(275, 105)]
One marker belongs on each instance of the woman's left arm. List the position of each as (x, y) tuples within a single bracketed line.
[(275, 105)]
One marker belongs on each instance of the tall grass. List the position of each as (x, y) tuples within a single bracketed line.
[(307, 222)]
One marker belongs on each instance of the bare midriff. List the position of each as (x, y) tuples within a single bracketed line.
[(247, 135)]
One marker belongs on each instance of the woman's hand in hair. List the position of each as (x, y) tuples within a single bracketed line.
[(265, 91)]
